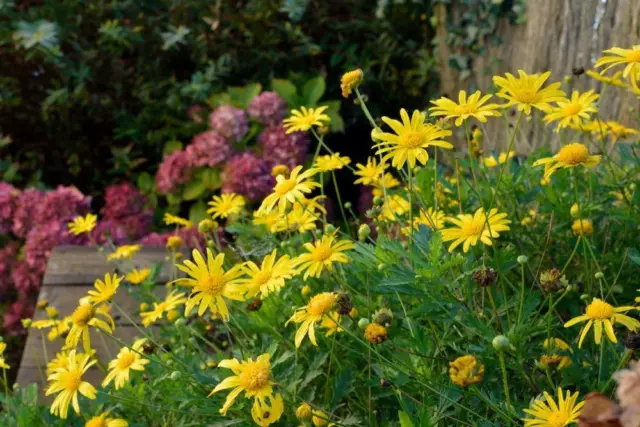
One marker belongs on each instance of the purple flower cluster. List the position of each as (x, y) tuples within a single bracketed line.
[(208, 149), (8, 201), (248, 175), (8, 258), (230, 122), (125, 218), (175, 170), (267, 108), (280, 148), (23, 216), (63, 204)]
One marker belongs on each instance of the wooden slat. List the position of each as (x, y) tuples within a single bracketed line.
[(73, 265)]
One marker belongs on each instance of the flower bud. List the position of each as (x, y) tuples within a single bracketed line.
[(320, 419), (599, 275), (344, 303), (306, 290), (550, 280), (175, 375), (329, 228), (375, 333), (26, 323), (174, 243), (144, 306), (377, 201), (350, 81), (280, 170), (575, 210), (207, 225), (347, 205), (43, 303), (180, 321), (383, 317), (522, 259), (303, 412), (382, 266), (173, 315), (485, 276), (363, 323), (363, 232), (585, 297), (353, 313), (501, 343)]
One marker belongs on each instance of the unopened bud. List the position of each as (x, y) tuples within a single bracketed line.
[(522, 259), (363, 232), (501, 343)]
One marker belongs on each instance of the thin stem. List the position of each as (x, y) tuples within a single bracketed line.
[(410, 213), (505, 379), (344, 216), (521, 293), (363, 105)]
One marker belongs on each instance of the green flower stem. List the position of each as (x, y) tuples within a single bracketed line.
[(467, 136), (435, 179), (363, 105), (547, 371), (344, 216), (521, 294), (549, 315), (601, 361), (494, 307), (505, 378), (584, 249), (575, 248), (410, 214), (6, 391)]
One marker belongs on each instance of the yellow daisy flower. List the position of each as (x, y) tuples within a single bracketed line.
[(350, 80), (270, 219), (465, 108), (103, 420), (386, 181), (582, 227), (104, 290), (393, 207), (210, 284), (430, 218), (614, 129), (471, 228), (3, 363), (465, 371), (67, 381), (331, 324), (299, 219), (601, 314), (569, 156), (547, 413), (614, 80), (83, 224), (137, 276), (288, 190), (85, 315), (127, 359), (411, 139), (252, 377), (370, 172), (124, 252), (491, 161), (322, 253), (305, 118), (60, 361), (265, 413), (526, 91), (628, 57), (171, 302), (170, 219), (319, 306), (332, 162), (226, 205), (572, 112), (269, 277), (554, 345)]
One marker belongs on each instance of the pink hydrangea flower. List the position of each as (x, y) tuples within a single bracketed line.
[(23, 216), (8, 258), (8, 202), (230, 122), (248, 175), (25, 278), (122, 201), (21, 309), (278, 148), (40, 242), (208, 149), (267, 108), (62, 204), (174, 170), (155, 239)]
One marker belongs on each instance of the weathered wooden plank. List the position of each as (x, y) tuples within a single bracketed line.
[(73, 265)]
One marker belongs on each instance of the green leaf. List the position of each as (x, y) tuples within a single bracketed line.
[(313, 91), (337, 124), (634, 255), (211, 179), (287, 91), (241, 96), (145, 182), (193, 190), (405, 421), (171, 147), (198, 211)]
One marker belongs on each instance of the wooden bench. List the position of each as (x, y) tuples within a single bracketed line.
[(70, 274)]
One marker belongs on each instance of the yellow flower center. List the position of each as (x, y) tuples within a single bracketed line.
[(322, 253), (72, 380), (255, 376), (572, 109), (126, 360), (412, 139), (96, 422), (573, 154), (465, 109), (557, 419), (212, 285), (600, 310), (83, 314), (263, 277), (527, 96), (473, 228), (285, 186), (321, 304), (634, 56)]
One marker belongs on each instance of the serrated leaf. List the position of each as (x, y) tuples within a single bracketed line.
[(313, 90), (287, 91)]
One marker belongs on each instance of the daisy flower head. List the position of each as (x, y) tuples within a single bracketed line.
[(582, 227), (226, 205), (3, 363), (411, 139), (321, 254), (267, 278), (105, 290), (124, 252), (299, 219), (370, 172), (289, 190), (319, 307), (629, 58), (270, 219), (67, 382), (572, 112), (467, 107), (82, 224), (393, 207), (210, 284), (170, 219), (170, 303), (331, 162), (602, 315), (465, 371), (469, 229), (265, 412), (350, 80), (103, 420), (251, 377), (570, 156), (84, 316), (491, 161), (127, 359), (526, 91), (137, 276), (613, 80), (305, 118), (614, 129), (430, 218), (545, 412), (331, 324)]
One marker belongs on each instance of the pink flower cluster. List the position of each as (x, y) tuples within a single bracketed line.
[(125, 218), (191, 237), (280, 148), (248, 175), (8, 201), (208, 149), (230, 122), (267, 108), (175, 170)]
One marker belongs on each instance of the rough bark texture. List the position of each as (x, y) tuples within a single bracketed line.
[(558, 36)]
